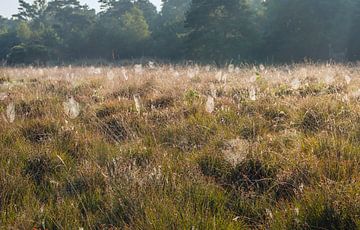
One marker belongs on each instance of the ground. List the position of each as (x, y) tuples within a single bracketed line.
[(180, 147)]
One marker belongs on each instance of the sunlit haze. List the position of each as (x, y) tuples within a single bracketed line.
[(9, 7)]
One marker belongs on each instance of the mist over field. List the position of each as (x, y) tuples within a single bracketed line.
[(212, 32), (207, 114)]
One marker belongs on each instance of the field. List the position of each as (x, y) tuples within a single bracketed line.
[(180, 147)]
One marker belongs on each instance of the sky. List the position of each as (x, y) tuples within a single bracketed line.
[(9, 7)]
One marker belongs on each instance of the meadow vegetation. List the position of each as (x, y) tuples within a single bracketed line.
[(139, 148)]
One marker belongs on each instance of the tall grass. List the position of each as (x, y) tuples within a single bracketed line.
[(278, 149)]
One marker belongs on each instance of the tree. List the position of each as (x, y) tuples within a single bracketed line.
[(7, 41), (119, 33), (6, 24), (353, 45), (24, 32), (220, 31), (28, 54), (299, 29), (116, 8), (134, 30), (168, 36), (73, 23), (34, 12), (149, 12), (174, 10)]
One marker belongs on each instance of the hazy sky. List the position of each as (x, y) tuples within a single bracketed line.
[(9, 7)]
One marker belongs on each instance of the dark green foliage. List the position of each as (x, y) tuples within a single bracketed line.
[(291, 183), (250, 174), (220, 30), (248, 131), (215, 31), (168, 38), (28, 54), (7, 41), (85, 185), (300, 29), (354, 32)]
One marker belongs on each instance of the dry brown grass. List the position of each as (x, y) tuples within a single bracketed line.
[(286, 157)]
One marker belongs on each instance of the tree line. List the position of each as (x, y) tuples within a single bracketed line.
[(206, 31)]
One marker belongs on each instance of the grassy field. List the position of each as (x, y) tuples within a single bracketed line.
[(180, 147)]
